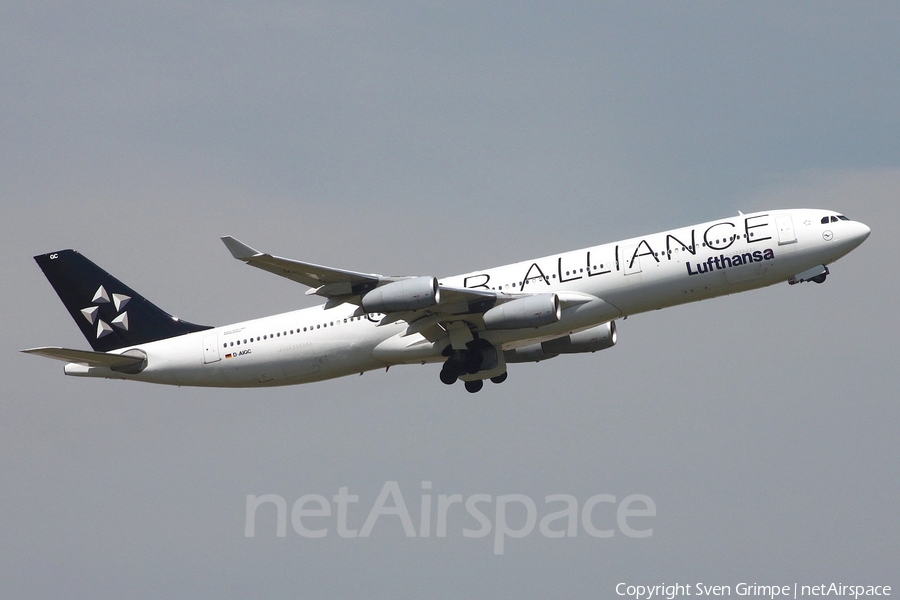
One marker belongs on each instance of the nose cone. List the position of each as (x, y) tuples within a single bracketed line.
[(854, 235), (860, 233)]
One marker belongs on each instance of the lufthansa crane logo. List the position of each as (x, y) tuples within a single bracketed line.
[(102, 298)]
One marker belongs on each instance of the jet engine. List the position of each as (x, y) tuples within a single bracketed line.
[(407, 294), (523, 313), (596, 338)]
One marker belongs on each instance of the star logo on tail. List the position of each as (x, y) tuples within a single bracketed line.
[(92, 313)]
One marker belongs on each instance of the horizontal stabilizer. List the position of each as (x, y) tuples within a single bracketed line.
[(86, 357)]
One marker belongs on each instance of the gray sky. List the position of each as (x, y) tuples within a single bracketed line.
[(436, 139)]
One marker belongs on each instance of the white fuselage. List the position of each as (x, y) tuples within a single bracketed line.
[(628, 277)]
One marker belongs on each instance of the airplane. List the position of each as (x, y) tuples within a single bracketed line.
[(475, 324)]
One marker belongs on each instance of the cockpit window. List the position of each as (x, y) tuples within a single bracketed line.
[(834, 219), (843, 218), (824, 220)]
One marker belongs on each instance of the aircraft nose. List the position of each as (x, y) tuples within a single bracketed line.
[(855, 234)]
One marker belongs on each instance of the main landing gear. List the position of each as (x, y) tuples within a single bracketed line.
[(479, 357), (474, 386), (450, 375)]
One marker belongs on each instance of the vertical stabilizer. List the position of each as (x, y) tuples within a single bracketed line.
[(109, 313)]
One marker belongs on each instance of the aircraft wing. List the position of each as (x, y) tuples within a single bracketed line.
[(456, 308), (340, 284), (87, 357), (314, 276)]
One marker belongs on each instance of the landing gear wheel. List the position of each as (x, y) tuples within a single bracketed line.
[(500, 378), (819, 278), (448, 377), (474, 386)]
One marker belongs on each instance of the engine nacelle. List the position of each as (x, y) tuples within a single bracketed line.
[(596, 338), (523, 313), (407, 294), (532, 353)]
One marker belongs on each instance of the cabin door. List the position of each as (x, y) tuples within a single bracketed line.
[(211, 349), (786, 233)]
